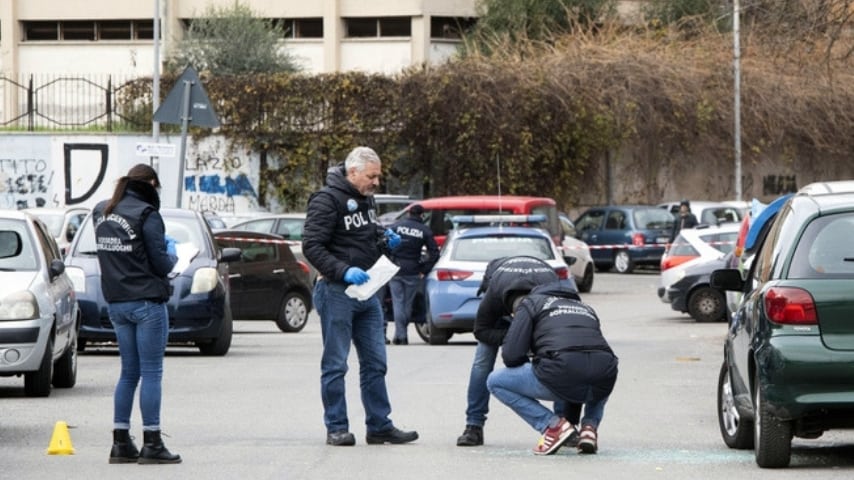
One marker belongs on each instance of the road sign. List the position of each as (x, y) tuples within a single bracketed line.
[(200, 112), (155, 150)]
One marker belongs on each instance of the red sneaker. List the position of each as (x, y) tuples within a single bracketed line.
[(587, 440), (553, 438)]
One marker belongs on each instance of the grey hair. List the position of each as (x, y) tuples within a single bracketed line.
[(359, 157)]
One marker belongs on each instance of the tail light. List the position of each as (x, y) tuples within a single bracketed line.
[(668, 262), (303, 266), (445, 275), (562, 273), (789, 305), (637, 239)]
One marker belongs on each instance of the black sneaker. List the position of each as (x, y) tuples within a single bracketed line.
[(400, 341), (341, 439), (393, 435), (471, 437)]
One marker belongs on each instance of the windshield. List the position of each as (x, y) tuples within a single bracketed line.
[(53, 221), (653, 219), (484, 249), (182, 229)]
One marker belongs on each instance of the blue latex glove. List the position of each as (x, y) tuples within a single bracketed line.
[(356, 276), (170, 246), (392, 239)]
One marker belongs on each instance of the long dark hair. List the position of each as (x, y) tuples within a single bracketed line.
[(139, 172)]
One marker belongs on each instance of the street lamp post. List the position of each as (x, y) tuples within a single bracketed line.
[(736, 14)]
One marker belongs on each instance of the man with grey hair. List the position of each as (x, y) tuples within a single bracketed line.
[(342, 239)]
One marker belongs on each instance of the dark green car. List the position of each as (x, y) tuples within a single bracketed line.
[(788, 367)]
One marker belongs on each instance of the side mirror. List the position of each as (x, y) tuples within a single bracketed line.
[(56, 268), (726, 279), (229, 254)]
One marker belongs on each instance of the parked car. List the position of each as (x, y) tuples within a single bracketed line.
[(199, 308), (389, 206), (582, 267), (268, 282), (693, 294), (709, 213), (440, 211), (214, 221), (625, 236), (287, 225), (39, 315), (62, 223), (452, 285), (691, 247), (790, 346)]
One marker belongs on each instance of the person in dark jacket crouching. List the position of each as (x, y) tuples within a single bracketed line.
[(136, 257), (342, 238), (571, 361)]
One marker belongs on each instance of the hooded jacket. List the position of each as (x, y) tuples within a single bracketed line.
[(341, 228), (505, 278), (571, 356), (131, 247)]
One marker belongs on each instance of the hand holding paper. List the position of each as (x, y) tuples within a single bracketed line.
[(378, 275)]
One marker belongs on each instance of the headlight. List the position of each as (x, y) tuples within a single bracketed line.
[(78, 278), (204, 280), (19, 306)]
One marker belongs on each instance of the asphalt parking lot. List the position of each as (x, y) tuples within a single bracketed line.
[(256, 413)]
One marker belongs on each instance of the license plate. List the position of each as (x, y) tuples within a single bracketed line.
[(662, 240)]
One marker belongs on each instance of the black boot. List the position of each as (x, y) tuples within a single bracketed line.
[(124, 451), (153, 450)]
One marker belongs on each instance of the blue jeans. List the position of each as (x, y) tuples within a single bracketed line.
[(403, 290), (142, 329), (519, 389), (478, 395), (344, 320)]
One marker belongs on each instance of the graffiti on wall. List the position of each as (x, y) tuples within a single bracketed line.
[(779, 184), (219, 185), (26, 183)]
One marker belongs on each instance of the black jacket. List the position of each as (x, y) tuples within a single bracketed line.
[(571, 356), (688, 221), (503, 278), (131, 247), (413, 236), (341, 228)]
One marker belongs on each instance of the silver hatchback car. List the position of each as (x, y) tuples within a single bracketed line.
[(39, 317)]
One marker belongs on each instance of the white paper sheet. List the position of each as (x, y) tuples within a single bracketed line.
[(380, 273), (186, 252)]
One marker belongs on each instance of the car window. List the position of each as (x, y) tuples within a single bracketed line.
[(652, 219), (681, 247), (254, 252), (767, 254), (53, 221), (74, 222), (484, 249), (825, 249), (265, 225), (616, 221), (291, 227), (724, 242), (719, 215), (25, 259), (48, 243), (590, 221), (186, 230)]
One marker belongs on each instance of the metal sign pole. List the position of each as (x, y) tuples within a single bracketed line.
[(155, 95), (185, 122)]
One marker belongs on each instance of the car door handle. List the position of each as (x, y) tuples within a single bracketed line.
[(234, 275), (279, 270)]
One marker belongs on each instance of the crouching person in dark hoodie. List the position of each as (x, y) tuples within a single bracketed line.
[(571, 361)]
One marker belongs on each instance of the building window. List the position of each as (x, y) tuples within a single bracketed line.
[(90, 30), (378, 27), (39, 31), (77, 30), (451, 27), (300, 27)]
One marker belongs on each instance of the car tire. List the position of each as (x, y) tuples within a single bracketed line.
[(623, 262), (430, 334), (293, 313), (772, 437), (707, 304), (736, 432), (586, 283), (220, 345), (65, 369), (37, 384)]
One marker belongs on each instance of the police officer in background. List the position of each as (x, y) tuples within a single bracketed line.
[(415, 236), (342, 238)]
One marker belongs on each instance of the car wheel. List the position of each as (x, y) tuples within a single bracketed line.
[(293, 314), (37, 384), (423, 330), (772, 438), (65, 370), (737, 433), (707, 305), (220, 345), (586, 283), (623, 262)]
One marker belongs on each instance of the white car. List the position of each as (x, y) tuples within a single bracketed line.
[(39, 315), (62, 223), (709, 213), (582, 268), (691, 247)]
